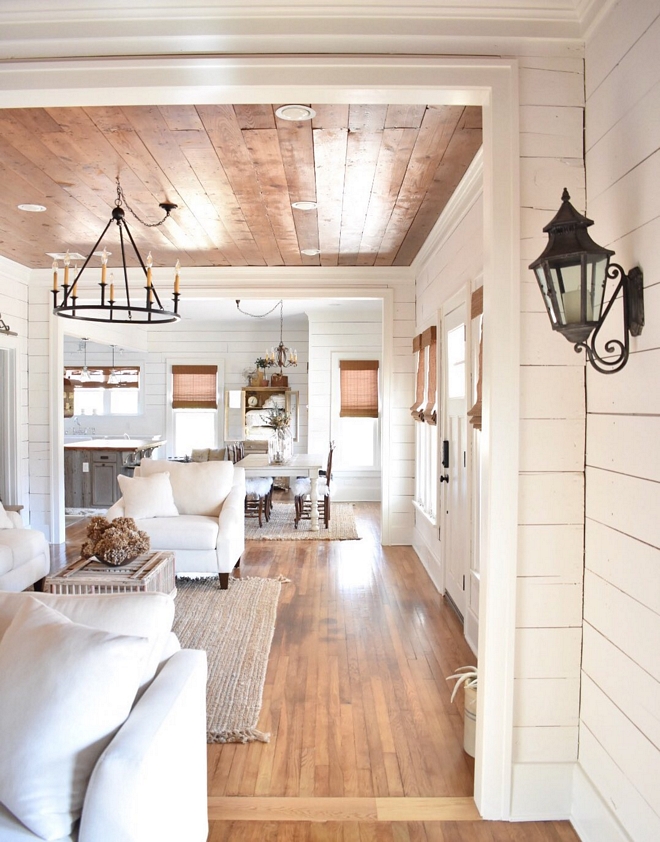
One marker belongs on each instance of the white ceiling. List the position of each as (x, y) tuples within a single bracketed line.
[(225, 310)]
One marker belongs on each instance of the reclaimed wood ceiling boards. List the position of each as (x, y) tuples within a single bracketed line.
[(381, 175)]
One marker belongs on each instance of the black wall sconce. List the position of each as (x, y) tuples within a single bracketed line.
[(572, 273)]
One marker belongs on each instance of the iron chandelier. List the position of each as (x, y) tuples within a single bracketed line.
[(109, 308)]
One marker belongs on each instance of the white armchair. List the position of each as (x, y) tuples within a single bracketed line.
[(24, 554), (208, 535)]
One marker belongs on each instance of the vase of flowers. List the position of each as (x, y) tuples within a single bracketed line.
[(280, 444)]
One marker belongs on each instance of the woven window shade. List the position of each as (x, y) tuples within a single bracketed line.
[(417, 406), (477, 310), (194, 387), (359, 388), (424, 407)]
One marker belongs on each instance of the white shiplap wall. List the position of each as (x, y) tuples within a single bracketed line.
[(617, 796), (357, 329), (14, 310), (551, 491)]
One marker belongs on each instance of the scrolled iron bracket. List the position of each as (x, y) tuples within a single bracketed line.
[(631, 286)]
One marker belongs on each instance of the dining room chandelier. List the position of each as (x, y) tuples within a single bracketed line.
[(280, 357), (125, 306)]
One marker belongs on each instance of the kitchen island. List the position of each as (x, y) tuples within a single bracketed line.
[(91, 467)]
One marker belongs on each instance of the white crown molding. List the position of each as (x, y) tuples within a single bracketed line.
[(77, 29), (466, 194), (592, 15)]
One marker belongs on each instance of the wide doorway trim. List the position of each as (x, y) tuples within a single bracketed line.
[(489, 82)]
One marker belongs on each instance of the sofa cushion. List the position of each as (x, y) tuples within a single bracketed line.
[(186, 532), (65, 689), (200, 488), (148, 615), (5, 523), (23, 544), (149, 496)]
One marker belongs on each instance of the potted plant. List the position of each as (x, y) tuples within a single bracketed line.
[(258, 378), (466, 677)]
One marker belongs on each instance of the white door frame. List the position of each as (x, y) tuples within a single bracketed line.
[(10, 407), (489, 82)]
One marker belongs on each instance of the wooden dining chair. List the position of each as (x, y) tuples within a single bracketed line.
[(302, 494), (258, 490)]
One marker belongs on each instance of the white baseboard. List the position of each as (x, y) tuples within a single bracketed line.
[(430, 562), (541, 791), (591, 817)]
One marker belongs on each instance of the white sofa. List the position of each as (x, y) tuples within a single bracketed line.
[(208, 533), (149, 783), (24, 555)]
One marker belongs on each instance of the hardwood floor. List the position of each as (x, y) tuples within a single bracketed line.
[(365, 744), (355, 699)]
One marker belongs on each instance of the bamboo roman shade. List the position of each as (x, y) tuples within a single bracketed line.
[(477, 309), (359, 388), (194, 387), (425, 346)]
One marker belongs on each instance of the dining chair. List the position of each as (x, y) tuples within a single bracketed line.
[(258, 490), (302, 494)]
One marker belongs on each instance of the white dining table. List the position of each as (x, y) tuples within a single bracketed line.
[(300, 465)]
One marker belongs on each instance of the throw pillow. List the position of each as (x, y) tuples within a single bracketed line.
[(5, 522), (147, 615), (201, 455), (65, 689), (146, 497)]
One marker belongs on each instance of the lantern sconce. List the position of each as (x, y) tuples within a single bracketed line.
[(572, 274)]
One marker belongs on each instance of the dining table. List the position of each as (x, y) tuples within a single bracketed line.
[(299, 465)]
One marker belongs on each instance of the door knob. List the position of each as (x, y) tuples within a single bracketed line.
[(444, 478)]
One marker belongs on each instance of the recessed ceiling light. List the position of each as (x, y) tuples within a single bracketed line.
[(310, 252), (306, 206), (33, 208), (295, 113)]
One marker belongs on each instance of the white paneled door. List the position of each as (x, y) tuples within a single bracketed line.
[(454, 482)]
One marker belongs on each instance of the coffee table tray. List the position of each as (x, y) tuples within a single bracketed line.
[(148, 572)]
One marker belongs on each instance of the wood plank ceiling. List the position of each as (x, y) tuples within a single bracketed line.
[(380, 174)]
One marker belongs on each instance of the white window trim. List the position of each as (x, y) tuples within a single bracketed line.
[(194, 359), (335, 401)]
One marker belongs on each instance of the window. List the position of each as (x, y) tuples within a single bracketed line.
[(358, 426), (105, 391), (194, 407)]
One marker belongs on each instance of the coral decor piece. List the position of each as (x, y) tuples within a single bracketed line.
[(114, 542)]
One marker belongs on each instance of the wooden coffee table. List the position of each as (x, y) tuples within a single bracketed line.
[(148, 572)]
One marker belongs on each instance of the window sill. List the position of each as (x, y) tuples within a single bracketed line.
[(427, 517)]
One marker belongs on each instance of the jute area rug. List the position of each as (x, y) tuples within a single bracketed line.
[(235, 627), (280, 527)]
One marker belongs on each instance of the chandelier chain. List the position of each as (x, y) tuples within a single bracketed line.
[(280, 303), (121, 200)]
